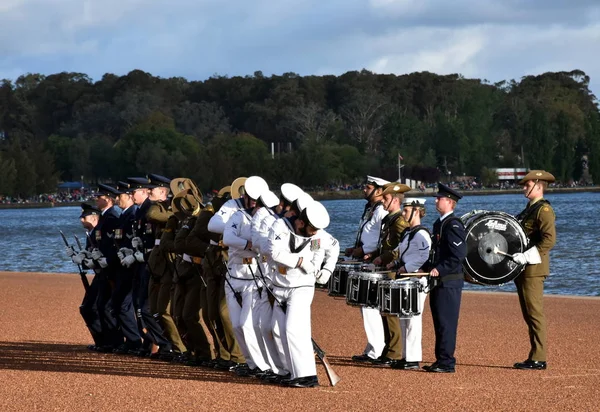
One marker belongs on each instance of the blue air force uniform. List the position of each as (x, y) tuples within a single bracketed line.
[(450, 251)]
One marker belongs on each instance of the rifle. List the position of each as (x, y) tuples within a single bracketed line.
[(84, 279), (333, 377)]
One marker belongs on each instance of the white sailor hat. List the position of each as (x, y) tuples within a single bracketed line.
[(317, 215), (304, 199), (290, 192), (255, 186), (376, 181), (413, 201), (269, 199)]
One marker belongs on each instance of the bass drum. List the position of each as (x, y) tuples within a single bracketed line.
[(488, 233)]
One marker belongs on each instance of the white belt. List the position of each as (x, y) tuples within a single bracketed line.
[(187, 258), (156, 242)]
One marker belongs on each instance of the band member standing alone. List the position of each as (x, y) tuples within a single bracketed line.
[(538, 221), (450, 250)]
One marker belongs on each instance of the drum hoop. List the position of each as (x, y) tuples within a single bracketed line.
[(509, 219)]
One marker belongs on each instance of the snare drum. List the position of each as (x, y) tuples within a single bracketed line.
[(399, 297), (339, 278), (362, 289)]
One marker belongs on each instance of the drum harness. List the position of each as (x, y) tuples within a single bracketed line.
[(368, 213), (411, 233), (530, 210)]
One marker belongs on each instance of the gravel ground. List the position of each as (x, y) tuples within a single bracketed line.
[(44, 364)]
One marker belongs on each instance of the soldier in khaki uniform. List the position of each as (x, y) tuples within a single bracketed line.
[(229, 353), (538, 221), (392, 226), (160, 262), (189, 278)]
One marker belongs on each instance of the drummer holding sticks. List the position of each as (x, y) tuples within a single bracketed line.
[(412, 253), (392, 227)]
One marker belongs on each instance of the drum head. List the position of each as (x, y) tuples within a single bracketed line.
[(488, 233)]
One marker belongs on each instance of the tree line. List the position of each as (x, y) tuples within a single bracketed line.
[(325, 130)]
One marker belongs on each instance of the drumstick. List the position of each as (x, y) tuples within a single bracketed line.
[(405, 275), (497, 251)]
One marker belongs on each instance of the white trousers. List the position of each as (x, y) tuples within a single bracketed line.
[(243, 323), (263, 322), (292, 331), (374, 330), (412, 332)]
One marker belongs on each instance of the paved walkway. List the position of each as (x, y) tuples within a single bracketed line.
[(44, 364)]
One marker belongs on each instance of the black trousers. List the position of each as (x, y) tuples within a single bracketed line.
[(444, 303), (122, 306), (153, 330), (89, 312)]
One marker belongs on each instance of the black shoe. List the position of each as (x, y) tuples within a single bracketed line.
[(246, 372), (262, 373), (276, 379), (122, 349), (382, 360), (164, 355), (438, 368), (197, 362), (224, 365), (93, 348), (362, 358), (142, 352), (304, 382), (105, 349), (531, 365), (403, 364)]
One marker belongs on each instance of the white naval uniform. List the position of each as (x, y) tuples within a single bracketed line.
[(242, 264), (368, 235), (295, 288), (413, 256), (331, 251), (217, 223), (263, 311)]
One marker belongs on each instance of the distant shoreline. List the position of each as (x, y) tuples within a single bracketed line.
[(343, 195)]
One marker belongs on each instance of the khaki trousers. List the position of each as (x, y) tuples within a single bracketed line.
[(531, 294)]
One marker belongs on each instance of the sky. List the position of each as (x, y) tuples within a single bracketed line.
[(486, 39)]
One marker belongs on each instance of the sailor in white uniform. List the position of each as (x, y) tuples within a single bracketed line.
[(297, 253), (241, 271), (266, 209), (413, 252), (367, 240)]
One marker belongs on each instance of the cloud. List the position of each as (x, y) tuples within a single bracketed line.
[(197, 38)]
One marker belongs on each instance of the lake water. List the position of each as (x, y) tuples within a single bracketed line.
[(30, 241)]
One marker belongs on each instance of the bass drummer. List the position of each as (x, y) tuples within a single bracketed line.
[(538, 221), (412, 253)]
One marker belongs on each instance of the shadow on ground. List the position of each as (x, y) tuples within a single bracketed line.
[(61, 357)]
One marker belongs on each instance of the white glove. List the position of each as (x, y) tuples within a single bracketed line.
[(533, 256), (307, 266), (89, 263), (124, 252), (70, 251), (323, 276), (139, 256), (78, 258), (519, 258), (137, 243), (96, 254), (128, 261), (102, 262)]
